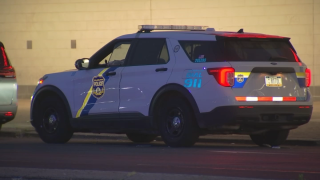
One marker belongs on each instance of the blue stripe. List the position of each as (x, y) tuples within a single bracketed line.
[(239, 85), (302, 82), (92, 100)]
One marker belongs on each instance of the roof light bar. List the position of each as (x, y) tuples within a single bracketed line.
[(171, 27)]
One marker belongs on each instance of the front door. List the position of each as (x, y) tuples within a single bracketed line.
[(96, 90)]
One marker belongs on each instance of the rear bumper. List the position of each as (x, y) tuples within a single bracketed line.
[(257, 117), (5, 109)]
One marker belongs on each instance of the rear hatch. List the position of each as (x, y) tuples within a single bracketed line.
[(7, 78), (266, 69)]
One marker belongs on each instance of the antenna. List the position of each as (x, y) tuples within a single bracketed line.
[(240, 31)]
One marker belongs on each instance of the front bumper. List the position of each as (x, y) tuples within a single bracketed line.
[(256, 117)]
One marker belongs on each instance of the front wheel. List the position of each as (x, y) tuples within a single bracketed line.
[(51, 121), (177, 124), (141, 138), (273, 138)]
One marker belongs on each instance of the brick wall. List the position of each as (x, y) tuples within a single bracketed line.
[(52, 24)]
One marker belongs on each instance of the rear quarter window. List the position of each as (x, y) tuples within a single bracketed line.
[(203, 51)]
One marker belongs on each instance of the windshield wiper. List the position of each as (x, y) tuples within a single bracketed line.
[(278, 58)]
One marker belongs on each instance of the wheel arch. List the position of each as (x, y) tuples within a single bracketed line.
[(46, 91), (169, 89)]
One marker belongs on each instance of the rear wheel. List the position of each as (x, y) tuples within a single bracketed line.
[(273, 138), (51, 121), (0, 126), (177, 124), (141, 138)]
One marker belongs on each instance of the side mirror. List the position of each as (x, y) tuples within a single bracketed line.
[(82, 63)]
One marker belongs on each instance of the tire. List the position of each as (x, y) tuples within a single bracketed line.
[(141, 138), (176, 123), (273, 138), (0, 126), (51, 121)]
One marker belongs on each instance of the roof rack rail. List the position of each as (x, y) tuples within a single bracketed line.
[(149, 28)]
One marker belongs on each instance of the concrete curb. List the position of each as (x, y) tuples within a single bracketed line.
[(204, 139)]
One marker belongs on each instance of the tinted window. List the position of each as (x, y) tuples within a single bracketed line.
[(150, 51), (203, 51), (238, 50), (164, 55), (258, 50)]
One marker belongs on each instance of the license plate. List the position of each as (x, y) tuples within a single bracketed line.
[(273, 81)]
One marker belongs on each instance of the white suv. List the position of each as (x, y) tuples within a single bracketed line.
[(180, 84)]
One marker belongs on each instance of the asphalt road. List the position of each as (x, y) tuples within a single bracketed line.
[(205, 158), (114, 157), (309, 131)]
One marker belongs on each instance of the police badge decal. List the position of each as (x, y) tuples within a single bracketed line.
[(240, 78), (98, 86)]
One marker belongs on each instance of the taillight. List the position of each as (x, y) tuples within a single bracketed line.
[(301, 107), (308, 77), (8, 114), (224, 76), (7, 72), (5, 60)]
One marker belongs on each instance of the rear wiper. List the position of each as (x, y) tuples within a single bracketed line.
[(278, 58)]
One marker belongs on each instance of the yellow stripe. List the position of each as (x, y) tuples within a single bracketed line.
[(245, 74), (301, 75), (85, 102)]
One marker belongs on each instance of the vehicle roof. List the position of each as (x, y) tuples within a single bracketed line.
[(197, 35)]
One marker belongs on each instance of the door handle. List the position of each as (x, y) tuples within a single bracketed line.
[(161, 69), (111, 73)]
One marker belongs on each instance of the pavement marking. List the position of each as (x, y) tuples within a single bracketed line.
[(66, 174), (247, 152), (236, 169), (7, 160)]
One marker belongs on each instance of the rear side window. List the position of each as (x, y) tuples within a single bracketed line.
[(238, 50), (203, 51), (150, 51)]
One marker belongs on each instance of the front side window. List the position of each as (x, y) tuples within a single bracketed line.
[(112, 54), (149, 52), (118, 55)]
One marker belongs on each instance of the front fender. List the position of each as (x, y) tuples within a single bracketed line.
[(47, 91)]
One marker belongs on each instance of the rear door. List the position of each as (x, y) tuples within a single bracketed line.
[(8, 85), (149, 69), (266, 70)]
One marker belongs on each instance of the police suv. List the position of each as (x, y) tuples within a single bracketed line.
[(180, 84)]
